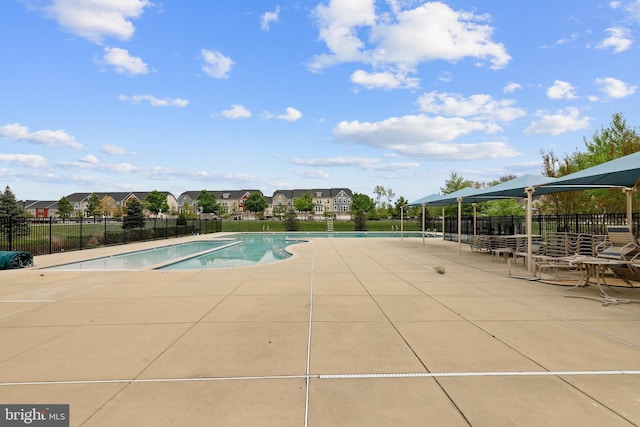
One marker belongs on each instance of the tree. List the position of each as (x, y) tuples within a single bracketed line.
[(155, 202), (617, 140), (255, 203), (454, 183), (361, 205), (609, 143), (401, 203), (93, 206), (12, 215), (9, 206), (208, 203), (65, 208), (304, 203), (390, 195), (380, 192), (135, 215), (291, 221)]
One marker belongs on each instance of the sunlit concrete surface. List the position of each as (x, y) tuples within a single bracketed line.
[(347, 332)]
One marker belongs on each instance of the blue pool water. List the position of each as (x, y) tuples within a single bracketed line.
[(230, 251), (145, 258), (252, 249)]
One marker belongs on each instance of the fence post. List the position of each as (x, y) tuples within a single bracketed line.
[(10, 233), (81, 245), (50, 235)]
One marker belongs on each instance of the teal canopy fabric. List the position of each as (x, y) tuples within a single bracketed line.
[(426, 199), (15, 259), (620, 172), (514, 188)]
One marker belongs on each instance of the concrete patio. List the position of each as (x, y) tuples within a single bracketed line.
[(347, 332)]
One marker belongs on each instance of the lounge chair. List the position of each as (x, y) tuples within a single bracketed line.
[(620, 243), (629, 271)]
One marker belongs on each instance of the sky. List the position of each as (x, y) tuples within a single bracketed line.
[(142, 95)]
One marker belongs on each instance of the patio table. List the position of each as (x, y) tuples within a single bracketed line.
[(594, 268)]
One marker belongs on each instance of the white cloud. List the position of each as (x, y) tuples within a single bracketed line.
[(114, 150), (565, 120), (312, 173), (89, 158), (365, 163), (290, 115), (88, 163), (216, 65), (51, 138), (478, 106), (619, 39), (384, 80), (615, 88), (153, 101), (561, 90), (338, 23), (511, 87), (422, 136), (268, 18), (97, 19), (633, 9), (237, 111), (403, 38), (123, 62), (28, 160)]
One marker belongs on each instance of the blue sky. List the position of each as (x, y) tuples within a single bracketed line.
[(119, 95)]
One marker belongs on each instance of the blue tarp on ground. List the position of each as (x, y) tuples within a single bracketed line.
[(15, 259)]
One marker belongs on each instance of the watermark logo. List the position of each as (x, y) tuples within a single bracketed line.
[(34, 415)]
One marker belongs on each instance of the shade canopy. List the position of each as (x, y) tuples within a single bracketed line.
[(620, 172), (514, 188), (426, 199), (451, 198)]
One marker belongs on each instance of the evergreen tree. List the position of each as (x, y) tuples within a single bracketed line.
[(12, 216), (135, 215), (9, 206), (291, 221)]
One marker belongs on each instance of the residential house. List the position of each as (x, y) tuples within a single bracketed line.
[(329, 201), (114, 203), (232, 201), (41, 208)]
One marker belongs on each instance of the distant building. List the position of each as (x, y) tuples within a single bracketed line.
[(335, 202)]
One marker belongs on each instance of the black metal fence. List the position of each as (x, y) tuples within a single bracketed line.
[(543, 225), (42, 236)]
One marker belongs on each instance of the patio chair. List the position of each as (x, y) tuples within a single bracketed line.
[(537, 249), (620, 243)]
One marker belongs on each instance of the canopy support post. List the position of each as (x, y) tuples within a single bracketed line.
[(628, 192), (530, 263), (424, 222), (459, 225)]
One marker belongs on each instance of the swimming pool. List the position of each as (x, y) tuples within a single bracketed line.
[(251, 249), (146, 258), (230, 251)]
